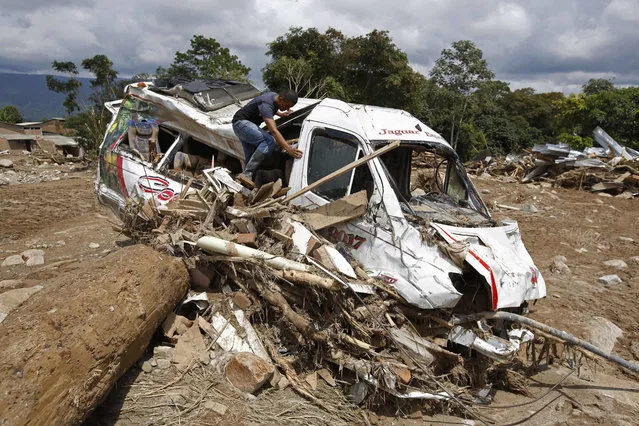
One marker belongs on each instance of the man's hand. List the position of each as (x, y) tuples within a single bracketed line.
[(294, 152)]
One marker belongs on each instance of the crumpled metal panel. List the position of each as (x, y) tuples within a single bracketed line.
[(499, 255)]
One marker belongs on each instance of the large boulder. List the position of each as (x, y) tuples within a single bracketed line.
[(602, 333)]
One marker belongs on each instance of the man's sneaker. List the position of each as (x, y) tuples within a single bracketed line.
[(246, 181)]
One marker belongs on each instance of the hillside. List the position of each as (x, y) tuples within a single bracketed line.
[(29, 93)]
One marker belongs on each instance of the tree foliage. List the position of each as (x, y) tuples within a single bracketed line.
[(10, 114), (89, 124), (103, 84), (598, 85), (460, 70), (206, 59), (366, 69), (69, 86)]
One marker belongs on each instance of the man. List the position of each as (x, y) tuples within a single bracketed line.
[(257, 143)]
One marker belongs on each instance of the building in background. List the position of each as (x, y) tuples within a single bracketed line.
[(51, 136)]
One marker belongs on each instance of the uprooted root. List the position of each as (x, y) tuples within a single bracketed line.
[(507, 376)]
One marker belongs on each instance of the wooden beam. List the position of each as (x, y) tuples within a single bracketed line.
[(347, 168)]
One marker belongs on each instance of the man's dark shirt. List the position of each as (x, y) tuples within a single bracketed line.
[(261, 107)]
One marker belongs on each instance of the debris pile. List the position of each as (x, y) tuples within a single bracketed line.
[(610, 168), (37, 167), (273, 303), (272, 291)]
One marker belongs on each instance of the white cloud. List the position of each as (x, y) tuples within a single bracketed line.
[(527, 42), (508, 24), (627, 10)]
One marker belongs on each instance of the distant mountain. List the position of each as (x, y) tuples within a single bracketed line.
[(29, 93)]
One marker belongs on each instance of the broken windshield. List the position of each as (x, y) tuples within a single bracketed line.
[(431, 176)]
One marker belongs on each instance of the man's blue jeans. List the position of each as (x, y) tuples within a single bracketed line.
[(252, 138)]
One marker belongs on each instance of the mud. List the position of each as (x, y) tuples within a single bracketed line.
[(584, 227)]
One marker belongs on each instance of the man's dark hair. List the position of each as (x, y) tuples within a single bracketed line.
[(288, 95)]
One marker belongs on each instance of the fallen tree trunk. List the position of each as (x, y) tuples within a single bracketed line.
[(66, 346)]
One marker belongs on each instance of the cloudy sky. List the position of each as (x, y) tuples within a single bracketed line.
[(545, 44)]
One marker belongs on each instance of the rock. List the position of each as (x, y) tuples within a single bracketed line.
[(248, 372), (35, 261), (216, 407), (9, 284), (147, 367), (559, 266), (59, 243), (6, 164), (94, 245), (190, 347), (14, 260), (485, 191), (625, 195), (634, 348), (604, 194), (610, 280), (9, 300), (358, 392), (602, 333), (153, 362), (27, 254), (403, 374), (163, 352), (175, 324), (529, 208), (242, 301), (616, 263), (418, 192), (164, 364), (634, 259)]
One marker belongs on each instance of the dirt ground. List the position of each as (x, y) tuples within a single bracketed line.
[(64, 219)]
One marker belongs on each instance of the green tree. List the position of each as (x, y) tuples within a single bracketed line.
[(572, 115), (460, 70), (378, 73), (598, 85), (537, 110), (368, 69), (103, 85), (207, 59), (10, 114), (306, 60), (70, 86), (297, 74)]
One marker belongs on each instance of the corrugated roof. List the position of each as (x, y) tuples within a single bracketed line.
[(17, 137), (60, 140)]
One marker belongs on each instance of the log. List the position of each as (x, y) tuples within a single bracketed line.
[(302, 325), (64, 348), (347, 168), (218, 245), (305, 278)]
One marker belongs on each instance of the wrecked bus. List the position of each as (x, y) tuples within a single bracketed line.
[(426, 232)]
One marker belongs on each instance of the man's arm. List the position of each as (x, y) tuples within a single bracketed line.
[(283, 113), (272, 127)]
